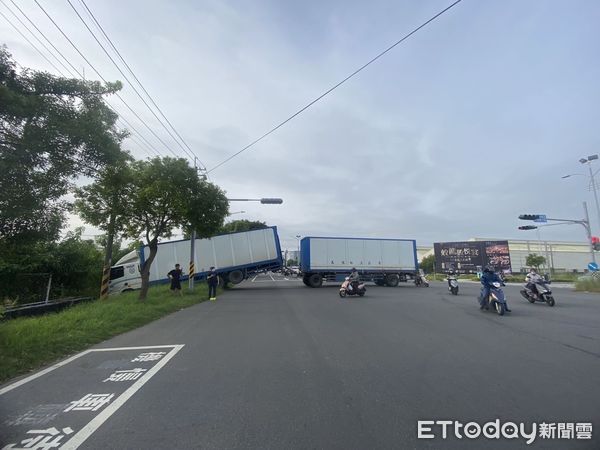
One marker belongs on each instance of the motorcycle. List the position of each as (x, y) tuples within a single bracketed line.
[(452, 284), (347, 289), (421, 279), (541, 294), (496, 300)]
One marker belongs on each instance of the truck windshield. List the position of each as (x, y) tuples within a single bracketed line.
[(117, 272)]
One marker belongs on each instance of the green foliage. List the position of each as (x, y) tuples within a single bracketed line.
[(52, 130), (29, 343), (95, 202), (149, 199), (428, 263), (242, 225), (292, 262), (74, 263), (534, 260), (588, 284)]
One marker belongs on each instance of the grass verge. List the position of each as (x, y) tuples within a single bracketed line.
[(588, 284), (28, 343)]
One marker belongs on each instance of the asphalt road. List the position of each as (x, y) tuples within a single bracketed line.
[(276, 365)]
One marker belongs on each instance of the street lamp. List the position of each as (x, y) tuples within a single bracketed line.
[(264, 201), (236, 212)]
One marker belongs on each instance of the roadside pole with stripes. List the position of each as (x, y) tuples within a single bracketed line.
[(192, 258), (107, 258)]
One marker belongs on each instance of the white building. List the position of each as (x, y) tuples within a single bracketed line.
[(560, 256)]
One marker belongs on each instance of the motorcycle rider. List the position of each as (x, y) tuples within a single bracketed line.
[(354, 278), (487, 278), (451, 274), (532, 278)]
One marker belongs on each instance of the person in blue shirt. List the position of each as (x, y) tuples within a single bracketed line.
[(487, 278)]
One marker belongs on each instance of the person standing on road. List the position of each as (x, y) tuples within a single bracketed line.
[(212, 280), (175, 277)]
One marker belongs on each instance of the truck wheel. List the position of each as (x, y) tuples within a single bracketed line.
[(392, 280), (315, 280), (235, 276)]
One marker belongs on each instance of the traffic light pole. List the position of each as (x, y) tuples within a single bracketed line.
[(589, 231), (585, 222)]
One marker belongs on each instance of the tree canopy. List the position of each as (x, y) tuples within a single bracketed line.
[(52, 130), (152, 198), (242, 225), (535, 260)]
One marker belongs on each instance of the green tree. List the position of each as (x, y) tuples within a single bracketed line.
[(73, 262), (428, 263), (292, 262), (534, 260), (242, 225), (52, 130), (153, 198)]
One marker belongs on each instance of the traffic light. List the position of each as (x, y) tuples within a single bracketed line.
[(596, 243), (528, 227), (529, 216)]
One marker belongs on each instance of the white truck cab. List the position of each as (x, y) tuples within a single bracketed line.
[(125, 274)]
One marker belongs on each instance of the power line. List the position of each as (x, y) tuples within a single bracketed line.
[(155, 152), (30, 43), (361, 68), (91, 14), (191, 155), (35, 36), (103, 79)]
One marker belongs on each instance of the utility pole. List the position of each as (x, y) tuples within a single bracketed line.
[(108, 256), (192, 248), (593, 180), (589, 231)]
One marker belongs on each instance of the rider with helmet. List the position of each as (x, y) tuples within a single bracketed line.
[(488, 277), (354, 278), (532, 278)]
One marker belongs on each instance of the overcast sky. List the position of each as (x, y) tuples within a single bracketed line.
[(451, 135)]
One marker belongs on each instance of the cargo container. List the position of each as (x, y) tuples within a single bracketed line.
[(384, 261), (235, 256)]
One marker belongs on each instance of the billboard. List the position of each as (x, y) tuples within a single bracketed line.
[(471, 256)]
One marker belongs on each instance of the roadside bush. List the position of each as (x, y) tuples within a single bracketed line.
[(589, 284)]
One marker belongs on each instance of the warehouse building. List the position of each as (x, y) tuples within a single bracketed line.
[(560, 256)]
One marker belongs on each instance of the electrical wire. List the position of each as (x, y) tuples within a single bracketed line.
[(103, 79), (191, 155), (30, 43), (99, 26), (35, 37), (148, 147), (360, 69)]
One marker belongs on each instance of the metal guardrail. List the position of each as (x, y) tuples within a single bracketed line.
[(38, 308)]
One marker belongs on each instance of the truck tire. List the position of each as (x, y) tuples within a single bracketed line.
[(315, 280), (392, 280), (235, 276), (305, 280)]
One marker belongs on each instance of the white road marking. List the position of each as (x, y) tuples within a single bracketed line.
[(16, 384), (97, 421)]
